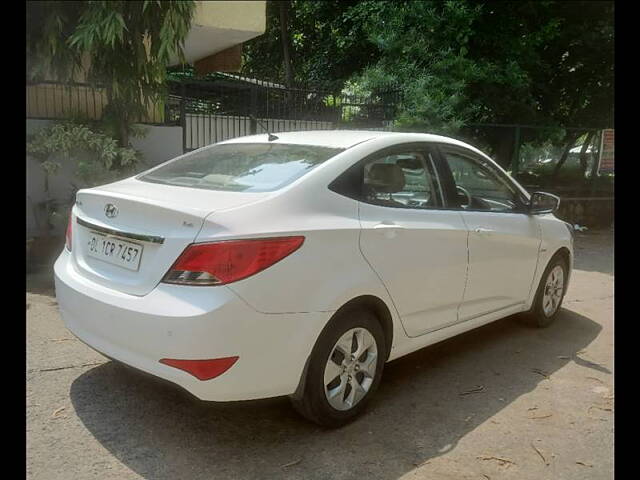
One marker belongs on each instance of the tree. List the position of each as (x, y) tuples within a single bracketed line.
[(121, 45), (423, 49), (327, 41), (286, 42), (552, 64), (94, 154), (547, 63), (496, 62)]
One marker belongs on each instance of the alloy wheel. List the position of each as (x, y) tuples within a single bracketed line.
[(350, 368)]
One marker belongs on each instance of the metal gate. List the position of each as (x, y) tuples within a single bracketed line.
[(212, 111)]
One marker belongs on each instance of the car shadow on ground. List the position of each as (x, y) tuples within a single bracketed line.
[(420, 411)]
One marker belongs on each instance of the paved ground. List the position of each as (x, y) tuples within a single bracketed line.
[(544, 410)]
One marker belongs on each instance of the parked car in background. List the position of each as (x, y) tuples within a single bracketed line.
[(299, 264)]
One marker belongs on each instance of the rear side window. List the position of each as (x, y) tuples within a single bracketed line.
[(398, 179), (246, 167)]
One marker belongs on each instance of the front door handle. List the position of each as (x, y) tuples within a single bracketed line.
[(483, 231)]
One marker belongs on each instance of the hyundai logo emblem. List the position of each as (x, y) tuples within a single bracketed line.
[(110, 210)]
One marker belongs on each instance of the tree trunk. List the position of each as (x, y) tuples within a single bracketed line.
[(502, 146), (286, 42), (570, 138), (120, 116), (46, 231), (123, 130), (583, 153), (594, 167)]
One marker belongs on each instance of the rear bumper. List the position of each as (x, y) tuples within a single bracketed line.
[(182, 322)]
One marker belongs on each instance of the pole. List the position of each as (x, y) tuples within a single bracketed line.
[(183, 118), (516, 151), (253, 125)]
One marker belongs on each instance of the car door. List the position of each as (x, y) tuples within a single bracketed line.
[(418, 249), (504, 240)]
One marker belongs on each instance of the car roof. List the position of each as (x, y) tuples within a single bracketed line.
[(336, 138)]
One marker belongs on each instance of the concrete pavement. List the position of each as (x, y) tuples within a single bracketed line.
[(501, 402)]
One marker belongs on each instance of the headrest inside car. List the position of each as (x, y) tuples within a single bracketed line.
[(385, 178)]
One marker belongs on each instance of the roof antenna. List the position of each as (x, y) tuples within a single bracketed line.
[(270, 137)]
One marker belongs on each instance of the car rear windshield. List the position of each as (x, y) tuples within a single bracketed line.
[(246, 167)]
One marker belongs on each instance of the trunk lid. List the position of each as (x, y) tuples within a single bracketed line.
[(160, 219)]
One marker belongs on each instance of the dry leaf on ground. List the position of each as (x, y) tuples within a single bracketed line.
[(57, 412), (539, 453), (477, 389), (501, 461)]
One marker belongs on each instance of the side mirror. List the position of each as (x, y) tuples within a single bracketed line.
[(542, 202)]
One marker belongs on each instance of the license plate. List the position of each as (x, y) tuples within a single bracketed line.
[(114, 250)]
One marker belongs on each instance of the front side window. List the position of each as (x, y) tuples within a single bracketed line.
[(401, 180), (477, 187), (246, 167)]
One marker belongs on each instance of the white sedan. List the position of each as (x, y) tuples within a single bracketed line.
[(299, 264)]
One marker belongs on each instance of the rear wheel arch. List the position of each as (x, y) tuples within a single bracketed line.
[(376, 306), (370, 303)]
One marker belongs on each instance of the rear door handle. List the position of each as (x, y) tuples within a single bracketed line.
[(388, 225)]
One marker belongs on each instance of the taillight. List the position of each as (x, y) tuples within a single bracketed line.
[(67, 242), (229, 261)]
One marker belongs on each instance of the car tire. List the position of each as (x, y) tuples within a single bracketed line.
[(335, 402), (550, 293)]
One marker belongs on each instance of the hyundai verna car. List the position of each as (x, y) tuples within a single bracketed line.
[(299, 264)]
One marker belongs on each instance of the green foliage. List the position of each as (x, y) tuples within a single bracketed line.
[(536, 62), (526, 62), (106, 160), (328, 40), (431, 69), (111, 124), (98, 159), (127, 44)]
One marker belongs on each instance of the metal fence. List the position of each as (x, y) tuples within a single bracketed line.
[(215, 110), (229, 106), (58, 101)]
